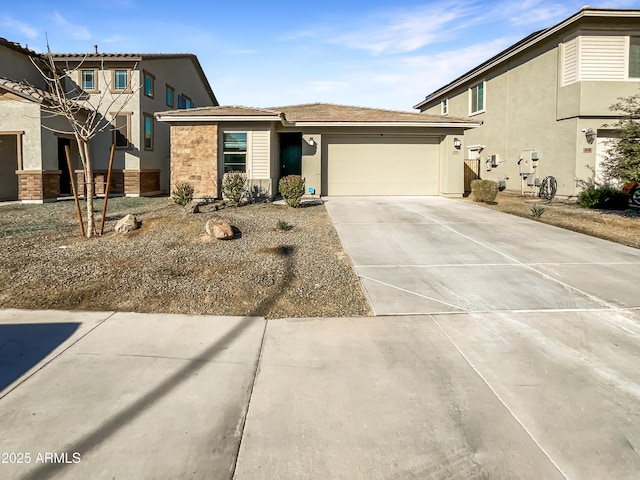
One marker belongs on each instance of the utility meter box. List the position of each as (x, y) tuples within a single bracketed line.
[(528, 162)]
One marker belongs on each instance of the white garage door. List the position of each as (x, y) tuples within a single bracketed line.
[(382, 165)]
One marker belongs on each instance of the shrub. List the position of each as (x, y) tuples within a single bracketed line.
[(292, 189), (182, 193), (484, 190), (537, 211), (233, 186), (283, 226), (605, 197)]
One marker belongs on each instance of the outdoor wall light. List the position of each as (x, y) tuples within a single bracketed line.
[(590, 135), (312, 142), (457, 143)]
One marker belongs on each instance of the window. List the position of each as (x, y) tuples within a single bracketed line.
[(148, 131), (120, 81), (235, 152), (88, 80), (185, 102), (445, 106), (148, 84), (476, 93), (121, 130), (634, 57), (170, 95)]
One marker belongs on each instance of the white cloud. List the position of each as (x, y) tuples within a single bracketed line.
[(22, 28), (326, 85), (77, 32), (395, 30)]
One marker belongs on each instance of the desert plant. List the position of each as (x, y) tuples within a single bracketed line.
[(537, 211), (622, 159), (604, 197), (283, 226), (484, 190), (234, 186), (291, 188), (182, 193)]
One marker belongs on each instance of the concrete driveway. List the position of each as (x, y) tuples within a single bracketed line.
[(436, 255)]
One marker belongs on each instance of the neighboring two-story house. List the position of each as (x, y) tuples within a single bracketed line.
[(28, 146), (544, 102), (127, 90), (137, 86)]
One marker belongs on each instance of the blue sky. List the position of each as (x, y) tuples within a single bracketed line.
[(370, 53)]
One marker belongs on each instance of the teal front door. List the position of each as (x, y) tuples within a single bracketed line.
[(290, 154)]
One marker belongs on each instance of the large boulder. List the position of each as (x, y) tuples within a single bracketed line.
[(127, 224), (219, 228)]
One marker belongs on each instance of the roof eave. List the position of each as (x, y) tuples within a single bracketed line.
[(389, 124), (217, 118)]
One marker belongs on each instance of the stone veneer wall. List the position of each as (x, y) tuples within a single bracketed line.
[(38, 185), (194, 157)]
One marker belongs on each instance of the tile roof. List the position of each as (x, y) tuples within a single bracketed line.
[(325, 113), (223, 111), (138, 57), (17, 47), (31, 93), (329, 112), (25, 91)]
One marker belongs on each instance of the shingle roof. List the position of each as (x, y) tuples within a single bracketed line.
[(312, 113)]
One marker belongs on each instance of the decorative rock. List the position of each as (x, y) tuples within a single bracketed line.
[(127, 224), (193, 206), (218, 228)]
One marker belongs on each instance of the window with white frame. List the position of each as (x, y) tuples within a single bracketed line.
[(476, 98), (444, 106), (234, 147)]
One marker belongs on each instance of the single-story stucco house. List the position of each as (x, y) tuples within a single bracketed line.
[(339, 150)]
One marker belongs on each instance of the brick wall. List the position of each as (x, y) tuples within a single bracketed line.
[(38, 185), (100, 178), (194, 157)]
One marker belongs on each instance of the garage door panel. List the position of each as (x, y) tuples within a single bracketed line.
[(382, 166)]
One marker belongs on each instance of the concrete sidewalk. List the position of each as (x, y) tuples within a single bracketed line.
[(126, 395)]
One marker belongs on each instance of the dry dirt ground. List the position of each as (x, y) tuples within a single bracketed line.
[(617, 226), (284, 262)]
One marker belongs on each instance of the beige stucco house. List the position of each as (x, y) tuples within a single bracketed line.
[(144, 84), (33, 166), (547, 97), (28, 152), (339, 150)]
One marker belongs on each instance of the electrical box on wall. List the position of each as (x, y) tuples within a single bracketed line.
[(528, 162)]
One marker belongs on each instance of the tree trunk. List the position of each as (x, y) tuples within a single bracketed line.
[(83, 147)]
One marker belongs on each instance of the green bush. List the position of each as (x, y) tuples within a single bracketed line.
[(484, 190), (182, 193), (291, 188), (605, 197), (234, 186)]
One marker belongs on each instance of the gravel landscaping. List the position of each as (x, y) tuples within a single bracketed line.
[(620, 226), (283, 262)]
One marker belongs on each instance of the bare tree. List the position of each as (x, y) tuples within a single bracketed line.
[(84, 114)]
